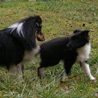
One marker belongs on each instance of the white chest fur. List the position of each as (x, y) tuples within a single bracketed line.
[(29, 55), (83, 53)]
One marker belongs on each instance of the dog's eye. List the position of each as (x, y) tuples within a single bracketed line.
[(39, 27)]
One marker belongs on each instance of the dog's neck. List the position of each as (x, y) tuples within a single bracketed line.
[(83, 52)]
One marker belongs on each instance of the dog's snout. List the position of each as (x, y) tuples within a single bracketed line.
[(40, 37)]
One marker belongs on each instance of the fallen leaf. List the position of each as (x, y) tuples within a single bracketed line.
[(83, 24), (1, 80), (64, 85)]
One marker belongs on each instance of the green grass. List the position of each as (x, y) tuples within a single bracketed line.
[(59, 19)]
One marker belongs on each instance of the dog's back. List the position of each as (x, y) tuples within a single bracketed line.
[(54, 49), (10, 49)]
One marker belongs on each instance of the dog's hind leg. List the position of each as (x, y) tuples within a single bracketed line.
[(41, 73), (45, 64), (41, 69), (86, 69), (64, 77)]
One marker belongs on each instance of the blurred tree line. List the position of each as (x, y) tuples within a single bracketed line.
[(29, 0)]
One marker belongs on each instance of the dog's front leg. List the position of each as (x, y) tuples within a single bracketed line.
[(23, 68), (67, 67), (86, 69), (16, 69)]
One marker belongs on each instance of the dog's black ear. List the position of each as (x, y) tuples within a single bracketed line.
[(85, 32), (38, 21), (76, 31)]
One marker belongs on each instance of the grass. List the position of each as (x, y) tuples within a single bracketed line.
[(60, 18)]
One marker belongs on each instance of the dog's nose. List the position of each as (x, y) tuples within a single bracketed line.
[(44, 39)]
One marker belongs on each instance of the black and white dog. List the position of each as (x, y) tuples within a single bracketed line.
[(69, 49), (18, 43)]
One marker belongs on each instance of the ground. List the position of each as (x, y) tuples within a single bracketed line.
[(59, 19)]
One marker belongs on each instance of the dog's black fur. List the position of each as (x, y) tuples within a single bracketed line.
[(63, 48), (18, 38)]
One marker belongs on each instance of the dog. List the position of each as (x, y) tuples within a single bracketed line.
[(69, 49), (18, 43)]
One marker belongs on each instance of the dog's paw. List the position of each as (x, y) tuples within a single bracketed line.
[(93, 79)]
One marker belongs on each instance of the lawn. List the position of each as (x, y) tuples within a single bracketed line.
[(60, 18)]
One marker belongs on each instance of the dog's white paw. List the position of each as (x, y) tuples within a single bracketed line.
[(93, 78), (64, 77)]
